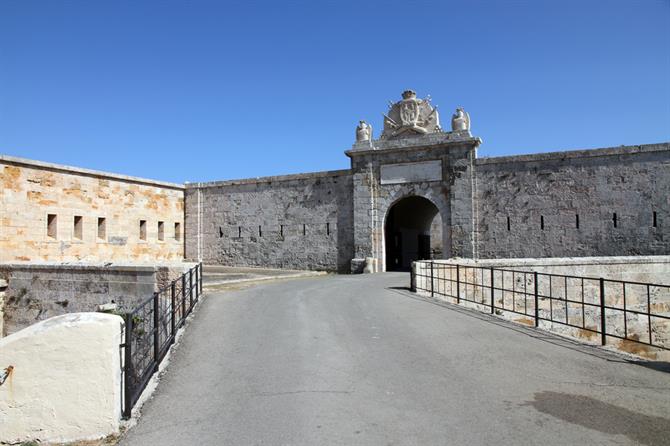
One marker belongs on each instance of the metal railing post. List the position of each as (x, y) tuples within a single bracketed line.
[(492, 294), (603, 335), (183, 298), (197, 283), (156, 332), (127, 367), (172, 306), (431, 279), (190, 289), (537, 308), (201, 278), (458, 284)]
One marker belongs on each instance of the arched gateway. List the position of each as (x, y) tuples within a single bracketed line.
[(403, 181), (412, 231)]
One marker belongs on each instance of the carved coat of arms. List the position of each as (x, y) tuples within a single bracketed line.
[(410, 116)]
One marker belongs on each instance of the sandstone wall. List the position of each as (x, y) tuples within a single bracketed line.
[(575, 196), (294, 221), (31, 192)]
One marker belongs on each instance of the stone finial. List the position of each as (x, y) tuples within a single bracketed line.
[(363, 131), (460, 121), (410, 116)]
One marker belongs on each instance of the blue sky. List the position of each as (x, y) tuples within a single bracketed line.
[(207, 90)]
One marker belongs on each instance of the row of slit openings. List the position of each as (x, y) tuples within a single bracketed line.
[(282, 228), (78, 228), (615, 221)]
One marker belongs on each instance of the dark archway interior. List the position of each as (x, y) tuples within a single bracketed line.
[(408, 232)]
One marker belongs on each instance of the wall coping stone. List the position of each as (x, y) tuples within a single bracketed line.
[(150, 268), (579, 153), (277, 178), (87, 172), (412, 142), (562, 261)]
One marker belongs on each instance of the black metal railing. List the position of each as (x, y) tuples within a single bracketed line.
[(151, 329), (631, 311)]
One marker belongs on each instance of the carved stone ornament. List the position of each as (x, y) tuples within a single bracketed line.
[(410, 116), (363, 131), (460, 121)]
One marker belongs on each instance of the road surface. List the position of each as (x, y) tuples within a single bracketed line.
[(357, 360)]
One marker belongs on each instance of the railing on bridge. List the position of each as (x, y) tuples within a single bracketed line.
[(151, 329), (635, 312)]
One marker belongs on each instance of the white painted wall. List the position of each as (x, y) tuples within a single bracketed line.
[(66, 382)]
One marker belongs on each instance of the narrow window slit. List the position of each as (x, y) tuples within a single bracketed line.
[(654, 220), (239, 231), (102, 228), (260, 231), (542, 222), (304, 229), (143, 229), (577, 221), (508, 224), (614, 219), (52, 225), (78, 227), (327, 228), (281, 230)]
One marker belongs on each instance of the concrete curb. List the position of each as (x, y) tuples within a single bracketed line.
[(266, 278)]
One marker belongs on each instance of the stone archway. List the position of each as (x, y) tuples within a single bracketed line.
[(412, 231)]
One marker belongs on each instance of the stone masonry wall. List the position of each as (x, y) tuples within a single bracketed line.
[(564, 204), (294, 221), (31, 191), (39, 291)]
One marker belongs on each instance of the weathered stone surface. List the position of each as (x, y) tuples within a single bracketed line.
[(294, 221), (575, 195), (39, 291), (578, 280), (32, 190)]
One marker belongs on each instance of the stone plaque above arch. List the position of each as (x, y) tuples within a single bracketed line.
[(411, 172)]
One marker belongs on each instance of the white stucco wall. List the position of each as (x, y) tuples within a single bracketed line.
[(66, 382)]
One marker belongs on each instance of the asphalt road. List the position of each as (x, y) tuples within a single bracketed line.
[(351, 360)]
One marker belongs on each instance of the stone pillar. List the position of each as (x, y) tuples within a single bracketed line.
[(367, 234)]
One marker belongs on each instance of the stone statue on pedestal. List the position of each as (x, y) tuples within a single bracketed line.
[(460, 121), (363, 131)]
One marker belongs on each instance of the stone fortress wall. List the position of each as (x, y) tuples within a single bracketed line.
[(54, 213), (604, 202), (294, 221)]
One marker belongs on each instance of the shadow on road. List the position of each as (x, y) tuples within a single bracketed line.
[(603, 417)]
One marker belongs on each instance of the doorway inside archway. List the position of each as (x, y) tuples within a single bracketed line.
[(413, 231)]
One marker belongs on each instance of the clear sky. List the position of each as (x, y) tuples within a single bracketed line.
[(206, 90)]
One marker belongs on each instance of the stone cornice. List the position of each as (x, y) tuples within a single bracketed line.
[(580, 154), (271, 179), (86, 172), (429, 141)]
